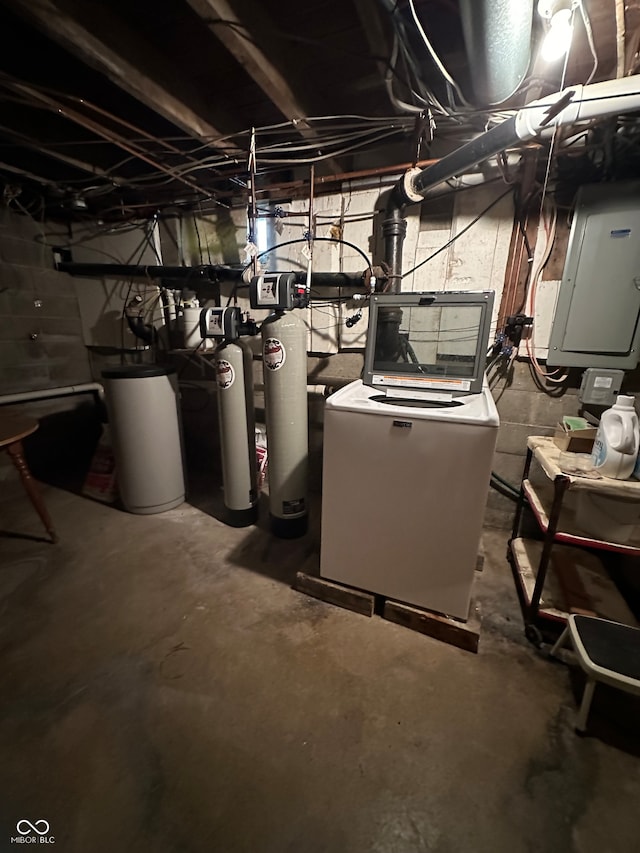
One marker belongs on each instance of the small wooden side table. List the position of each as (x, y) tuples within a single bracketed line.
[(13, 428)]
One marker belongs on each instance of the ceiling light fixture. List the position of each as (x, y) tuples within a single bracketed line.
[(558, 15)]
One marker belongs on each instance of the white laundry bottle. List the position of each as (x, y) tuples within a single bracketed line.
[(616, 446)]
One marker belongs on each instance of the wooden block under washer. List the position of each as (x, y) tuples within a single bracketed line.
[(335, 593), (464, 635)]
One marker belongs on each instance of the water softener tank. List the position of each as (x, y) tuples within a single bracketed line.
[(234, 376), (144, 418), (284, 352)]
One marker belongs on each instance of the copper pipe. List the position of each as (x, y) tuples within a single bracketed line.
[(381, 170), (138, 130), (323, 183)]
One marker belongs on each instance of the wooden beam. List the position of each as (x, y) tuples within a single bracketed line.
[(238, 39), (375, 33), (14, 170), (74, 162), (95, 127), (335, 593), (50, 17), (464, 635)]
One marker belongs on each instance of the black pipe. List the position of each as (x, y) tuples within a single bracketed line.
[(332, 279), (459, 161), (206, 272), (394, 226), (502, 490), (141, 330), (394, 229)]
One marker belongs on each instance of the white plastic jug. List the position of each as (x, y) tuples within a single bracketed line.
[(616, 446)]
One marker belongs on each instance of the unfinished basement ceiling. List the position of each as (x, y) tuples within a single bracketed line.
[(116, 108)]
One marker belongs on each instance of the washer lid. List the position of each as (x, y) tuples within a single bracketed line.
[(477, 409), (137, 371)]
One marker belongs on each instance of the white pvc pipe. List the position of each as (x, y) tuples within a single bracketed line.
[(317, 389), (45, 393), (611, 97)]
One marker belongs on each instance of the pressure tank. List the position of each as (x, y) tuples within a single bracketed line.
[(234, 375), (144, 419), (192, 336), (284, 353)]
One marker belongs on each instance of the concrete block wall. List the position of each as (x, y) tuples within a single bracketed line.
[(524, 410), (41, 343)]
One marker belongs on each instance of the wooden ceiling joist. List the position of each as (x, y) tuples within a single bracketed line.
[(105, 133), (128, 74), (238, 39), (225, 24), (375, 34), (74, 162)]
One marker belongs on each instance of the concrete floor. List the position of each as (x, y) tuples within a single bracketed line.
[(164, 689)]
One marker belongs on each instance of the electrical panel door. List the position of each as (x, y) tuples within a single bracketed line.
[(596, 319)]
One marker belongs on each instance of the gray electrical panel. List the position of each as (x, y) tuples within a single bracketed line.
[(596, 319)]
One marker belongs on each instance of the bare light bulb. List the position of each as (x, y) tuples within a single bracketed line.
[(558, 38)]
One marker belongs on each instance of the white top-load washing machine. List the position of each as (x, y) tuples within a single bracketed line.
[(407, 457)]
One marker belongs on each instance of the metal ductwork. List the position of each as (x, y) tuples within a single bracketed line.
[(497, 36)]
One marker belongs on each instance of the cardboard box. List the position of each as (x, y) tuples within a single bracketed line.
[(574, 440)]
